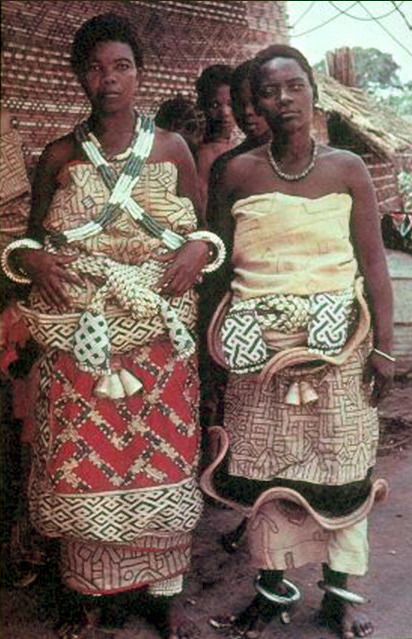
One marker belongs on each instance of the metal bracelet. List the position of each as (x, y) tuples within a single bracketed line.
[(208, 236), (342, 593), (20, 277), (384, 355), (293, 595)]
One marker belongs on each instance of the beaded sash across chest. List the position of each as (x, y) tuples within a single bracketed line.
[(132, 286), (120, 186)]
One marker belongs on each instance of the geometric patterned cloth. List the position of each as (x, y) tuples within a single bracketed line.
[(14, 189), (329, 321), (108, 569), (114, 473), (242, 340), (13, 177), (332, 441), (325, 317), (116, 478), (118, 517)]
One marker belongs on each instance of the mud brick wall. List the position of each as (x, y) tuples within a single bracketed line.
[(384, 172), (180, 39)]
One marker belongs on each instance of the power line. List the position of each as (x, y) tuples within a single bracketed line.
[(304, 14), (345, 12), (397, 7), (297, 35), (341, 12), (385, 29)]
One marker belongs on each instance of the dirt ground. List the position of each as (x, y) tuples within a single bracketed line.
[(219, 582)]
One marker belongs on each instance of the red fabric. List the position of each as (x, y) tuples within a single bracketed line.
[(99, 444), (13, 334)]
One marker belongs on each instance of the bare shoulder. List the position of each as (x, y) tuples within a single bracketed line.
[(245, 164), (58, 153), (208, 152), (341, 158), (169, 146)]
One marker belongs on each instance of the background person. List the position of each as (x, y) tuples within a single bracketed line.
[(214, 100), (256, 131), (181, 116), (301, 224), (113, 306)]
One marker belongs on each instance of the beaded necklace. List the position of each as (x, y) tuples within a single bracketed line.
[(120, 186), (292, 177)]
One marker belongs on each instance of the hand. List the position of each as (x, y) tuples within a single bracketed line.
[(381, 372), (49, 273), (185, 266)]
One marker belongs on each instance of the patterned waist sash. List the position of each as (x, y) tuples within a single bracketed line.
[(322, 317), (142, 316), (251, 352)]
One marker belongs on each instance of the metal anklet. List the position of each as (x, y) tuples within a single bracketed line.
[(342, 593), (292, 596)]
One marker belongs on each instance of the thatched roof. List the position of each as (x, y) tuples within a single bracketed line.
[(378, 126)]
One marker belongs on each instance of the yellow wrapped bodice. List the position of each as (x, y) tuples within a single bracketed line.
[(287, 244)]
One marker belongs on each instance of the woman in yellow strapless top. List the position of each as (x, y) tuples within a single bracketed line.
[(306, 316)]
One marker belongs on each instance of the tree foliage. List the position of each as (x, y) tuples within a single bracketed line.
[(377, 73), (373, 68)]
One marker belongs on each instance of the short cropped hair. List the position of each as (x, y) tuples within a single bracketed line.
[(240, 74), (209, 80), (279, 51), (177, 112), (103, 28)]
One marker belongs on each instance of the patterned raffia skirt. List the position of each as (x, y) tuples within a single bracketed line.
[(329, 442), (115, 480)]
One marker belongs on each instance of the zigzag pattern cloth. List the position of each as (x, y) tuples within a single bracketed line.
[(119, 518), (116, 472)]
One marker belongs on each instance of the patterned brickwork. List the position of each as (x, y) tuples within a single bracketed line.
[(180, 39)]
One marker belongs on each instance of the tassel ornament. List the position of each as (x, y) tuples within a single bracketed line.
[(301, 393), (118, 385)]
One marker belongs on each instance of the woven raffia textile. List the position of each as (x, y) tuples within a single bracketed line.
[(179, 40), (14, 189), (296, 245), (331, 441), (116, 479)]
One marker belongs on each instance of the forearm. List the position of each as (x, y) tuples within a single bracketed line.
[(380, 296)]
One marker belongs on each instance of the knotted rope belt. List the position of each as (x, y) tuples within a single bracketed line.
[(268, 335), (142, 315)]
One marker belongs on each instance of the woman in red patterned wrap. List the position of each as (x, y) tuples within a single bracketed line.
[(114, 252)]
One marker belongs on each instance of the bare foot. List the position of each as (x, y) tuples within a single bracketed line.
[(249, 623), (345, 618), (185, 629), (173, 624)]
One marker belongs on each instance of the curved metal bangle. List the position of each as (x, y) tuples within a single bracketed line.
[(283, 600), (19, 277), (342, 593), (212, 238)]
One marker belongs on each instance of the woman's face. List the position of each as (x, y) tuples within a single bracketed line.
[(252, 124), (110, 78), (219, 110), (285, 96)]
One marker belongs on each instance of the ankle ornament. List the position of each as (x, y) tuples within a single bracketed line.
[(342, 593), (291, 597)]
